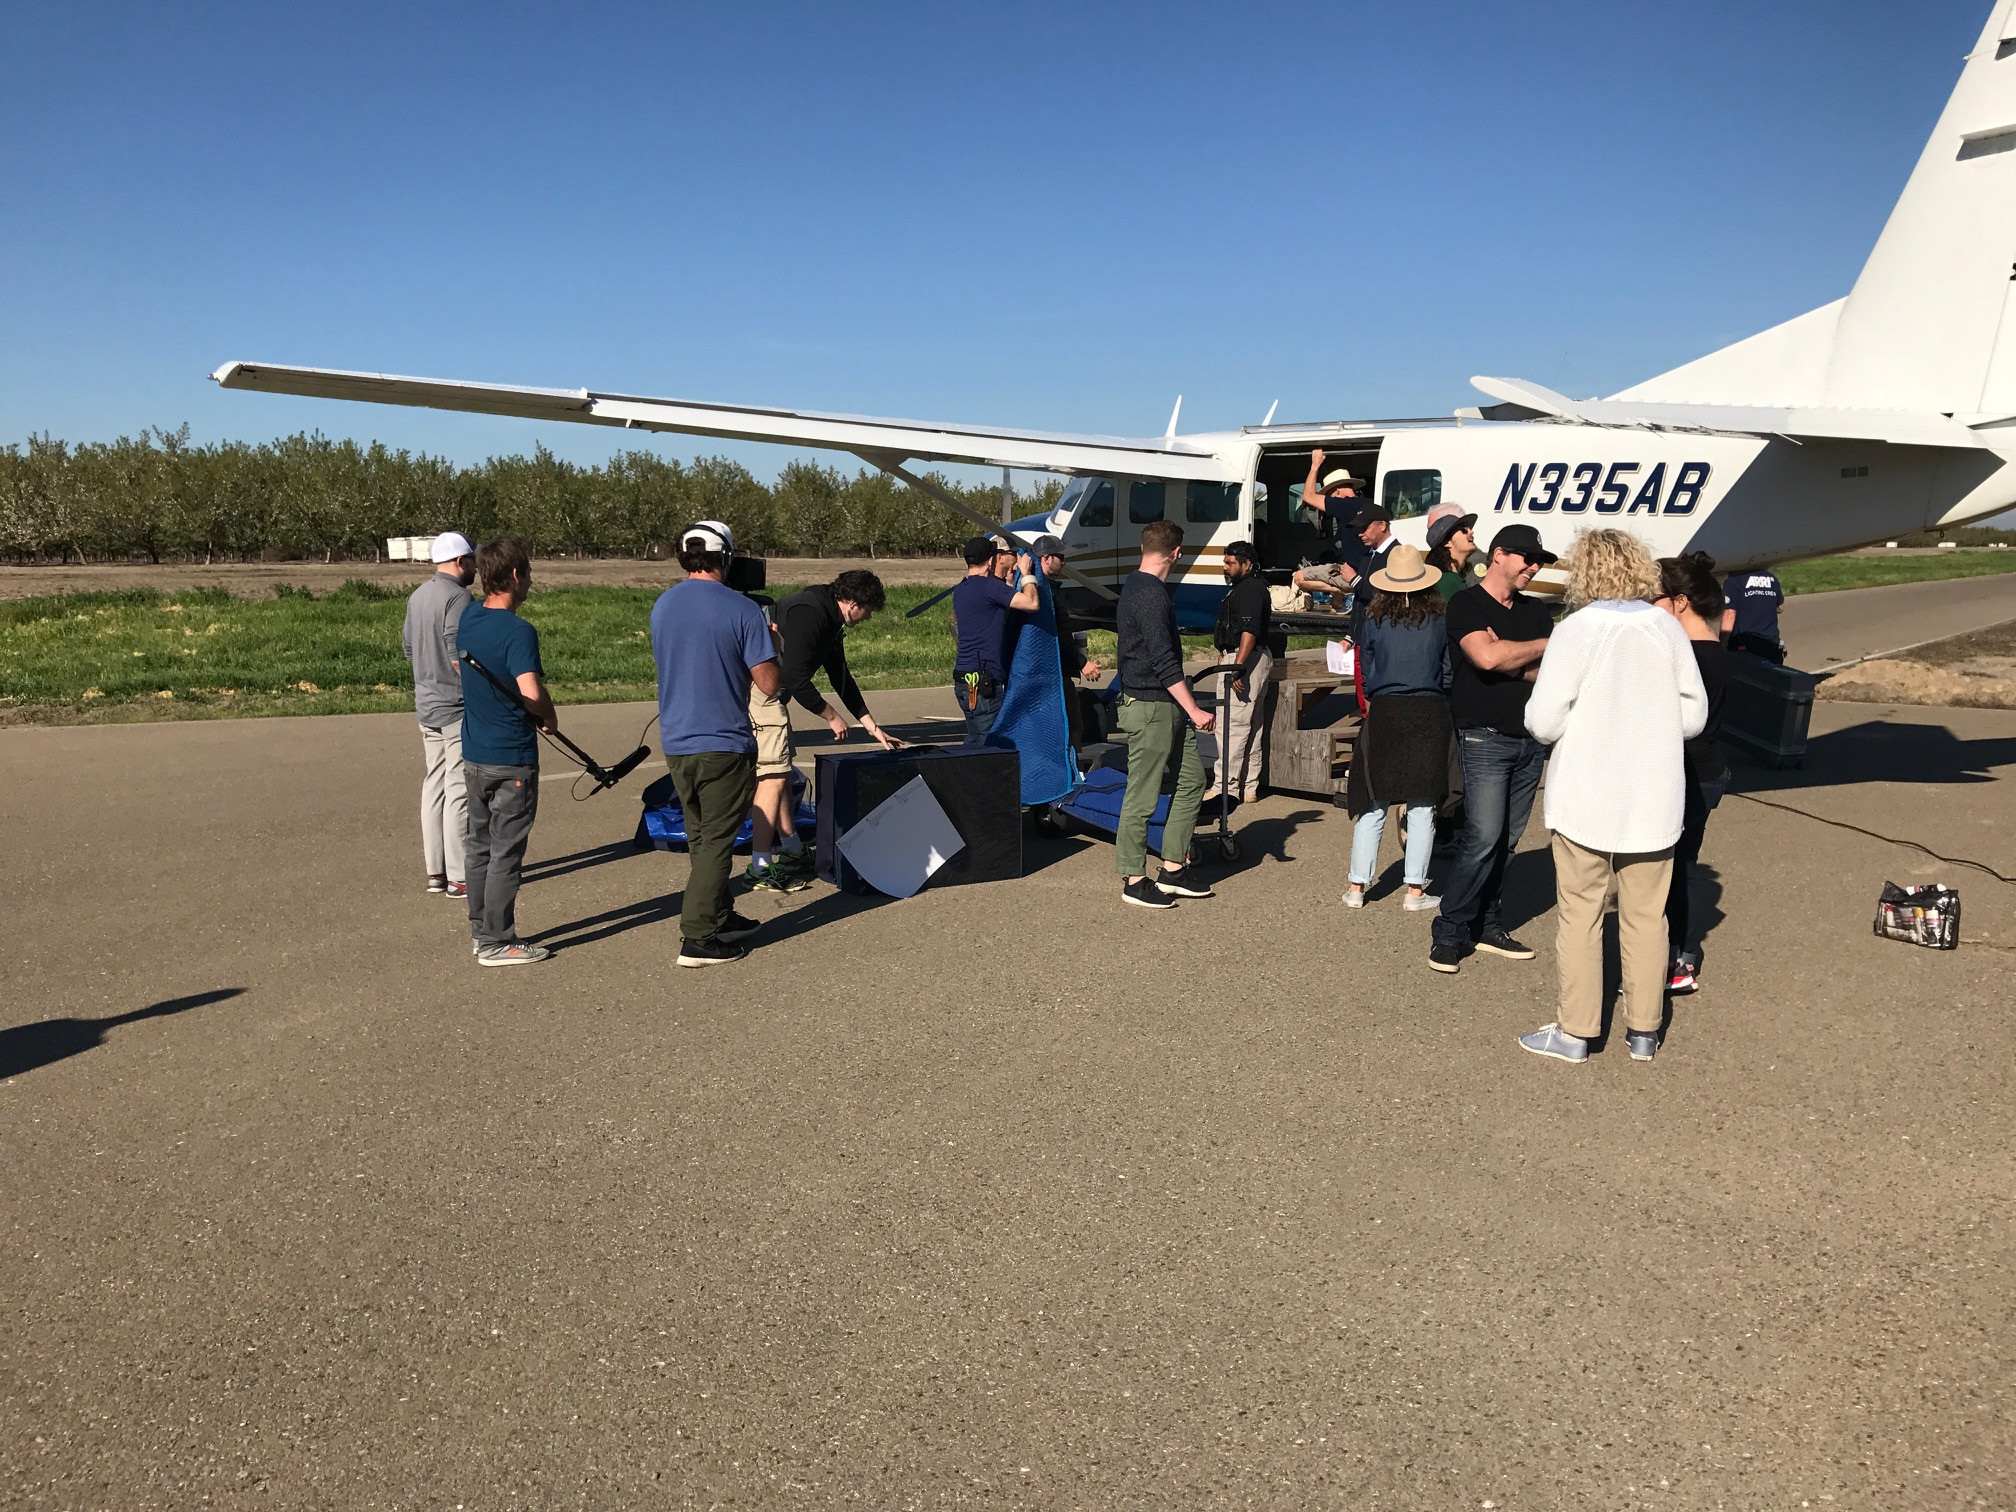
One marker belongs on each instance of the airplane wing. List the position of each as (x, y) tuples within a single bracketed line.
[(1898, 427), (1113, 456)]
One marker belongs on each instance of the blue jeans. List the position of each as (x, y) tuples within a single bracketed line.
[(1501, 773), (1365, 836), (979, 719)]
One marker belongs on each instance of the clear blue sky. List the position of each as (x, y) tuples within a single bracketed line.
[(1056, 216)]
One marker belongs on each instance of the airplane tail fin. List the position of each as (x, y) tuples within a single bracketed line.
[(1931, 322)]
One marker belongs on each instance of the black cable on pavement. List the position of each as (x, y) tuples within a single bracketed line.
[(1980, 866)]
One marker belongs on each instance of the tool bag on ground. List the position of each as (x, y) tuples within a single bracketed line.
[(1928, 915)]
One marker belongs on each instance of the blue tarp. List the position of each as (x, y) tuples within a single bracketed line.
[(1033, 718)]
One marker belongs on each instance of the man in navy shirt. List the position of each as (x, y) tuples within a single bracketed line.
[(500, 750), (1751, 620), (981, 606), (711, 645)]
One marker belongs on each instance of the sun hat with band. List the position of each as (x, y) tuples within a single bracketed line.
[(1341, 477), (1444, 520), (1406, 571)]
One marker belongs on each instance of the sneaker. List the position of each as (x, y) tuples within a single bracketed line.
[(1684, 978), (458, 889), (437, 883), (1145, 894), (799, 862), (1498, 942), (775, 877), (1641, 1046), (1552, 1039), (517, 953), (738, 927), (1354, 897), (714, 952), (1421, 902), (1447, 958), (1178, 885)]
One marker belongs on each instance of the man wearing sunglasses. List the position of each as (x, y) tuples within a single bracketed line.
[(1496, 638)]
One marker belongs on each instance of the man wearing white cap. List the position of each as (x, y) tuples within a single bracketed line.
[(432, 613)]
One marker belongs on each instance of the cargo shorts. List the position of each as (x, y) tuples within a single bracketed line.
[(770, 721)]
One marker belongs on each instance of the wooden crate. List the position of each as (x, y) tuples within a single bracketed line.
[(1311, 735)]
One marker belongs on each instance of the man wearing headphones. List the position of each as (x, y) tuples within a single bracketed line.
[(711, 645)]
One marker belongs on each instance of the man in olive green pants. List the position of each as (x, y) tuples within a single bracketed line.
[(1159, 740), (1161, 719), (715, 791)]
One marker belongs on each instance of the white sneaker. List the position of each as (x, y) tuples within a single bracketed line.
[(1354, 897), (1421, 902)]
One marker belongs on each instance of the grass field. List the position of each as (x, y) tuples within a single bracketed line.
[(202, 653), (1828, 574)]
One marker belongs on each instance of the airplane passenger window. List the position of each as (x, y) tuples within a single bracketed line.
[(1411, 493), (1098, 508), (1210, 503), (1145, 502)]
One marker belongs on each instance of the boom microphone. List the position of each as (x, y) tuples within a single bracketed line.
[(605, 777)]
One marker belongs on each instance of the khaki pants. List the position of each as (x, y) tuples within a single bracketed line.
[(1240, 721), (1582, 881), (444, 802)]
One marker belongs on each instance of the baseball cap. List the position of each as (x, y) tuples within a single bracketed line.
[(1368, 514), (1046, 545), (979, 550), (1443, 526), (712, 535), (451, 546), (1523, 540)]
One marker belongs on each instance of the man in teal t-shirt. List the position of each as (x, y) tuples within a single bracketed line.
[(500, 749)]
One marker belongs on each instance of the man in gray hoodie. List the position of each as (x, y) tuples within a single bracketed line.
[(432, 613)]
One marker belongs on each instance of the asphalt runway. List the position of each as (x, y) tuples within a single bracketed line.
[(1000, 1196), (1821, 629)]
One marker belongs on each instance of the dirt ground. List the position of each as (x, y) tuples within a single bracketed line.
[(1000, 1196), (257, 579), (1976, 670)]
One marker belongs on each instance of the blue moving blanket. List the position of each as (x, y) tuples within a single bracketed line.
[(1033, 718)]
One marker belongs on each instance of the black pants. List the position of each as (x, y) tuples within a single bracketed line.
[(503, 802), (1700, 802)]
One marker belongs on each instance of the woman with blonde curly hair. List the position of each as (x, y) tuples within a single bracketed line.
[(1618, 697)]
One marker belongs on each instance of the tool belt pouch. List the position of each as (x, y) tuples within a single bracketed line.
[(978, 685), (1928, 916)]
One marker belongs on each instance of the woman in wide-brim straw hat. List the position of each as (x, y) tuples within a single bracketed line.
[(1618, 696), (1402, 756)]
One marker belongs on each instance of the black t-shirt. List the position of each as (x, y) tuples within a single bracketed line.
[(1704, 751), (1492, 700), (1245, 607)]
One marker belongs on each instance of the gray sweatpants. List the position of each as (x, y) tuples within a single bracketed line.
[(1240, 727), (503, 802), (444, 801)]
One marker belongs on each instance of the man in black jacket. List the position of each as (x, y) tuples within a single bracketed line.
[(1242, 636), (808, 627)]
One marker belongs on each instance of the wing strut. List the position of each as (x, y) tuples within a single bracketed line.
[(893, 466)]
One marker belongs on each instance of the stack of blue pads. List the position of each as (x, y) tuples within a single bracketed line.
[(663, 826), (1096, 805)]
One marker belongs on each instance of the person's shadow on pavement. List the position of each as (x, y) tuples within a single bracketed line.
[(29, 1047)]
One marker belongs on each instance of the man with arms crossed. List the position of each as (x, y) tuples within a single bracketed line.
[(1496, 638), (432, 614), (500, 750), (711, 645), (810, 630), (1161, 721)]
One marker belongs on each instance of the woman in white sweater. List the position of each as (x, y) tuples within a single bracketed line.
[(1617, 697)]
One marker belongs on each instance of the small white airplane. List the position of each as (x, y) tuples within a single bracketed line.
[(1891, 410)]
